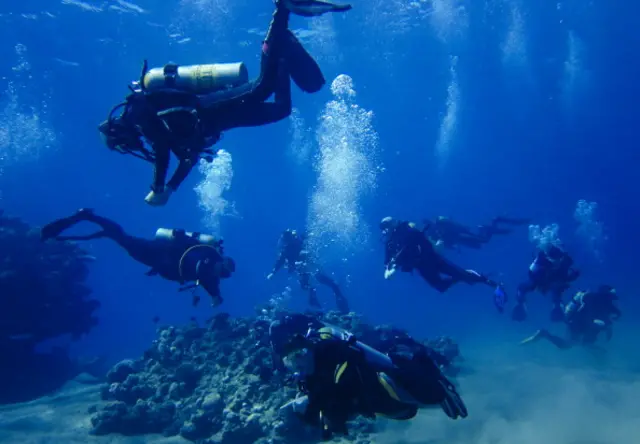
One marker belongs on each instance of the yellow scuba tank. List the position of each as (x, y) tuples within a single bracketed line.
[(198, 79), (170, 235)]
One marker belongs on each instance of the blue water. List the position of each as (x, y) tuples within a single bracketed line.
[(476, 109)]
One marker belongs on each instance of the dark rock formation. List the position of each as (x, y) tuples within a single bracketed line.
[(42, 296), (217, 384)]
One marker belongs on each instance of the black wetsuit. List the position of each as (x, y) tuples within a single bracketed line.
[(407, 248), (547, 276), (297, 260), (174, 261), (345, 382), (452, 234), (188, 124)]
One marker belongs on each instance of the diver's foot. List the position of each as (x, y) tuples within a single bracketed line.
[(557, 314), (158, 199), (535, 337), (312, 8), (519, 312)]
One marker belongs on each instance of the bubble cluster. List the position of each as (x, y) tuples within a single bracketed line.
[(542, 238), (347, 171), (301, 139), (218, 175), (450, 118), (25, 133), (590, 229)]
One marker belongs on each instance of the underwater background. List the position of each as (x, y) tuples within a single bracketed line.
[(442, 107)]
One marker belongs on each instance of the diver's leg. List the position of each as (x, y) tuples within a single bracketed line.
[(180, 174), (544, 334), (251, 114), (474, 242), (559, 342), (459, 274), (341, 301), (139, 249), (487, 232), (557, 311), (519, 312), (160, 167), (435, 280), (305, 284), (510, 221)]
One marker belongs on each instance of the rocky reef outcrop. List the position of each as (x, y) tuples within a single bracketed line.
[(42, 296), (217, 384)]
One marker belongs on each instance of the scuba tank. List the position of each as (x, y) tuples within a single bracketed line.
[(197, 79), (377, 359), (171, 235)]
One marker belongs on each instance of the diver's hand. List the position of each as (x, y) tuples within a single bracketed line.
[(158, 199), (389, 272), (269, 276)]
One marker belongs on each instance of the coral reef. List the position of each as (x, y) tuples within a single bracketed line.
[(218, 385), (42, 296)]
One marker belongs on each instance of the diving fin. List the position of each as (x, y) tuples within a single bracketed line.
[(452, 405), (534, 338), (314, 8), (303, 69), (53, 229)]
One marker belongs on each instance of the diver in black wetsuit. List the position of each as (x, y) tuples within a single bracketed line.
[(340, 378), (550, 272), (174, 254), (447, 233), (588, 314), (185, 109), (408, 248), (297, 259)]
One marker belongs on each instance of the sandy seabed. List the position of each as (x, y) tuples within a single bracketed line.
[(512, 398)]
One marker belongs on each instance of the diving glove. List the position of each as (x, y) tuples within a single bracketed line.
[(158, 199), (313, 8)]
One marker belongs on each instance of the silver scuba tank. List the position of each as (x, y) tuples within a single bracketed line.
[(198, 79), (170, 235), (380, 361)]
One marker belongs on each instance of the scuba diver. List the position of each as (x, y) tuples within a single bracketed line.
[(447, 233), (339, 377), (588, 314), (407, 248), (175, 255), (550, 272), (185, 109), (298, 260)]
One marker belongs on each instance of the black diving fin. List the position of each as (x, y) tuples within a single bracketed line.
[(314, 8), (303, 69)]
